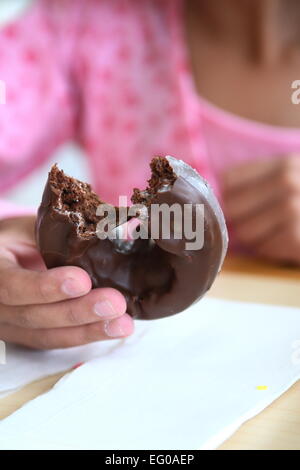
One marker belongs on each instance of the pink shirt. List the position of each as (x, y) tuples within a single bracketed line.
[(114, 75)]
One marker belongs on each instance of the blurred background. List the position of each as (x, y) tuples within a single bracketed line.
[(70, 157), (100, 87)]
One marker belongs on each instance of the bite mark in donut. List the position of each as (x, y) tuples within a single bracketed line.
[(158, 277)]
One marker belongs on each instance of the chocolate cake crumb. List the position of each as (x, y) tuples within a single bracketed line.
[(157, 275), (80, 202), (162, 176), (77, 199)]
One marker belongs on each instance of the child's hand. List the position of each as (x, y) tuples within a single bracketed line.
[(55, 308), (262, 202)]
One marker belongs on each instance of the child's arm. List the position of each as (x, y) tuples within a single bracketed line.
[(262, 204)]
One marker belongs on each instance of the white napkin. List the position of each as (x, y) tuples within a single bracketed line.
[(184, 382), (23, 366)]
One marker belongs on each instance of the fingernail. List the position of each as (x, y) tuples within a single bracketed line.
[(72, 288), (119, 327), (104, 308)]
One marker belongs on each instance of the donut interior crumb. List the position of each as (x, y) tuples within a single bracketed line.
[(79, 202), (162, 177), (75, 199)]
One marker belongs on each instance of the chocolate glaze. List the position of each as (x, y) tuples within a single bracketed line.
[(157, 277)]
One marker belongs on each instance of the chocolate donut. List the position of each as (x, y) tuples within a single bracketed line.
[(158, 275)]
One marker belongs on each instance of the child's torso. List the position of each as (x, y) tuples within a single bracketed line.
[(116, 76)]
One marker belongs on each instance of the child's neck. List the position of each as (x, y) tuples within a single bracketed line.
[(264, 29)]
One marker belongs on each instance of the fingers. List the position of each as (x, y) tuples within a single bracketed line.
[(241, 202), (248, 173), (20, 286), (261, 225), (68, 337), (283, 246), (273, 233), (99, 304), (262, 199), (250, 200)]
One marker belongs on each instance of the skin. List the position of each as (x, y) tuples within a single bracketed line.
[(56, 308), (244, 57), (262, 203)]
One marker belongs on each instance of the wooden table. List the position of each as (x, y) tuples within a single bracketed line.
[(278, 426)]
